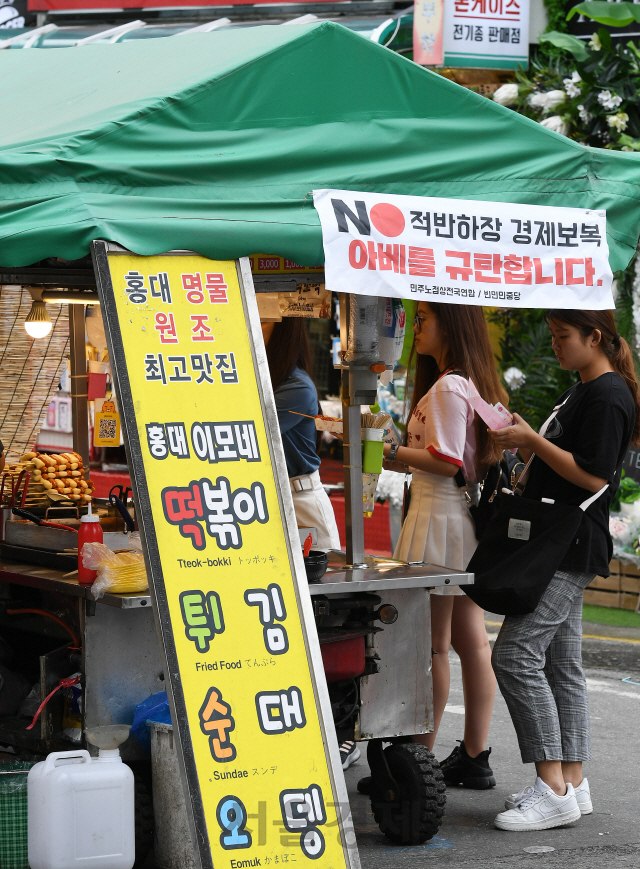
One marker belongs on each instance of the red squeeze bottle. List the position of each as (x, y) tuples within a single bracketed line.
[(90, 532)]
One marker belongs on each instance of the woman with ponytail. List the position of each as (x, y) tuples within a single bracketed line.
[(537, 658)]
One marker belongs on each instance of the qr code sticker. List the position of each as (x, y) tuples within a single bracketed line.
[(107, 429)]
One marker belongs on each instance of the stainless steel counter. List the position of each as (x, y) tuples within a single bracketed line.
[(48, 579), (382, 575), (337, 580)]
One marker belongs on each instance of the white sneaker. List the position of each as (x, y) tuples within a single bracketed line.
[(541, 809), (582, 792), (349, 753)]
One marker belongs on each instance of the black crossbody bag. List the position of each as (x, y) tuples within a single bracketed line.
[(497, 482), (497, 479), (522, 547)]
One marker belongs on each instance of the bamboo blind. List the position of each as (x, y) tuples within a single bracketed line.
[(30, 369)]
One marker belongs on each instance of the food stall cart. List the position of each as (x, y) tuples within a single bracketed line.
[(219, 156)]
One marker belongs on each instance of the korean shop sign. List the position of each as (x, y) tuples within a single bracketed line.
[(220, 542), (493, 34), (427, 32), (471, 252)]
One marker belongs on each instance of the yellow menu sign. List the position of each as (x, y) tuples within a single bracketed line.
[(199, 417)]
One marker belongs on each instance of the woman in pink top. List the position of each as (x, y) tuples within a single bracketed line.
[(444, 437)]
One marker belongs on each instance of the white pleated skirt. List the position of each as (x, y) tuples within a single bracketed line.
[(438, 528)]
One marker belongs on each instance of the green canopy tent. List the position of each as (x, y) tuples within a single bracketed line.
[(214, 142)]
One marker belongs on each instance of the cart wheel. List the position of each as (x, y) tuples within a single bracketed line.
[(144, 820), (415, 814)]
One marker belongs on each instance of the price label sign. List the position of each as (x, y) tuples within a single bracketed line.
[(250, 705)]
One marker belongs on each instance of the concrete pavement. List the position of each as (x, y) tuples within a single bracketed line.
[(607, 839)]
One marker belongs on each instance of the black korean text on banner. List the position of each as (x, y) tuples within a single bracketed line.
[(463, 251)]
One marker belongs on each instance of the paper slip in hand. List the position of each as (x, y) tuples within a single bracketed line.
[(504, 413), (496, 416)]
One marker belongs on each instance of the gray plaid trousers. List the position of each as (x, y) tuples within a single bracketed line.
[(537, 660)]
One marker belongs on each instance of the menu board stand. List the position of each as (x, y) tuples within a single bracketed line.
[(252, 720)]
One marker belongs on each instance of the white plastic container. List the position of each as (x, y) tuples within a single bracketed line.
[(81, 811)]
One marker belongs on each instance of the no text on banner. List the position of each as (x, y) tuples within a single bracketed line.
[(250, 702)]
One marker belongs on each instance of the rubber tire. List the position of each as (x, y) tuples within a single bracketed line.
[(417, 815), (145, 824)]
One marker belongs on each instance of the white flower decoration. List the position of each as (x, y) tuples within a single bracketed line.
[(609, 100), (594, 43), (514, 378), (556, 124), (506, 95), (547, 101), (585, 116), (619, 121), (571, 84)]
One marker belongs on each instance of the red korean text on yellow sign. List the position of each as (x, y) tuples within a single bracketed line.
[(254, 725)]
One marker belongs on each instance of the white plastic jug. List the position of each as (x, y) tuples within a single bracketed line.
[(81, 812)]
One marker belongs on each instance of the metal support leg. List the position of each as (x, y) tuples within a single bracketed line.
[(354, 518), (78, 360)]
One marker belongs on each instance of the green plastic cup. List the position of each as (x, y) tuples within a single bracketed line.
[(372, 447)]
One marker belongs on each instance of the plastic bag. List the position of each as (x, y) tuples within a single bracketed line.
[(153, 708), (362, 345), (31, 703), (72, 701), (121, 572), (391, 327)]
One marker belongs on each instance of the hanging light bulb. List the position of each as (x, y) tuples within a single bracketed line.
[(38, 323)]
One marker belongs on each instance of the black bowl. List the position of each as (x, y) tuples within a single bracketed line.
[(316, 565)]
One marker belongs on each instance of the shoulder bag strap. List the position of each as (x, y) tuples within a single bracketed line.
[(586, 504), (460, 480), (522, 479)]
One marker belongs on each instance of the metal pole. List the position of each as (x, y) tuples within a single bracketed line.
[(353, 516), (78, 362)]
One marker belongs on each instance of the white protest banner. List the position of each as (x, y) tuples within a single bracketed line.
[(489, 34), (502, 254)]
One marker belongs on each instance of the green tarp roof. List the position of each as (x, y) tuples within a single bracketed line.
[(214, 142)]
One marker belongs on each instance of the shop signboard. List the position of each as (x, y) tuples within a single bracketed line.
[(250, 704), (427, 32), (489, 34), (119, 5), (467, 252)]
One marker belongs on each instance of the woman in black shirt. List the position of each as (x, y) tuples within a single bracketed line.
[(537, 658)]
